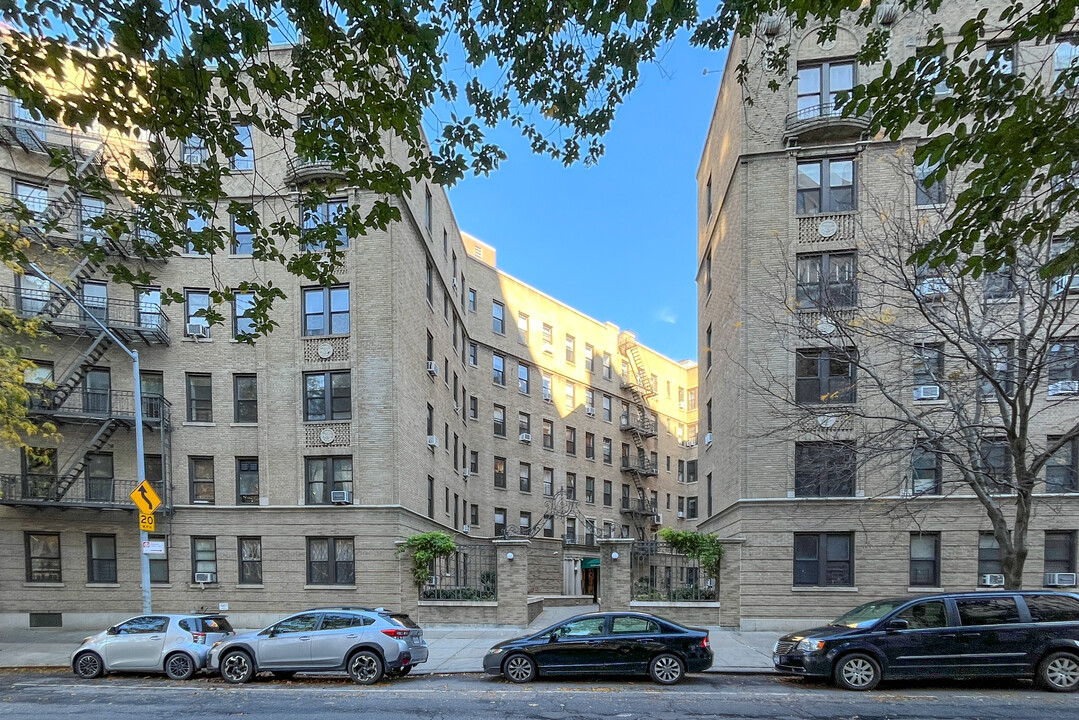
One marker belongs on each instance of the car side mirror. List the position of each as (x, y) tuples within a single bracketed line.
[(112, 631), (896, 624)]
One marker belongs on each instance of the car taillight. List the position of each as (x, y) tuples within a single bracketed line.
[(397, 633), (200, 637), (704, 641)]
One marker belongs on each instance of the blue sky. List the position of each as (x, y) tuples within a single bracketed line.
[(629, 222)]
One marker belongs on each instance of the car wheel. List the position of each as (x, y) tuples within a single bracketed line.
[(1059, 672), (857, 672), (400, 672), (519, 668), (179, 666), (237, 667), (88, 666), (365, 668), (666, 669)]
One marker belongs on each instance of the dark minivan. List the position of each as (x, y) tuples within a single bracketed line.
[(960, 635)]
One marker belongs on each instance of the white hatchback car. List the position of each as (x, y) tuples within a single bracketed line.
[(176, 645)]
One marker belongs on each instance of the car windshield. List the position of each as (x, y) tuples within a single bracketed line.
[(867, 614)]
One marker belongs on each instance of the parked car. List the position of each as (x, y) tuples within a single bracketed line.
[(960, 635), (604, 643), (176, 645), (364, 642)]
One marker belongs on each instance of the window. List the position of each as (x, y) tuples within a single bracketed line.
[(498, 363), (933, 67), (473, 354), (998, 360), (204, 557), (159, 562), (988, 556), (590, 489), (691, 471), (500, 522), (327, 213), (43, 557), (608, 451), (571, 440), (244, 159), (522, 328), (242, 306), (571, 400), (430, 496), (474, 515), (472, 299), (928, 370), (926, 471), (589, 359), (929, 189), (1052, 608), (691, 507), (1062, 468), (1059, 551), (606, 366), (101, 558), (988, 611), (824, 559), (824, 469), (193, 151), (473, 462), (708, 198), (925, 616), (473, 407), (1066, 56), (1063, 367), (500, 472), (524, 423), (607, 408), (430, 420), (825, 376), (197, 303), (498, 319), (429, 284), (571, 350), (243, 239), (820, 85), (826, 280), (428, 211), (526, 477), (607, 495), (1000, 283), (548, 338), (996, 464), (825, 186), (336, 404), (326, 311), (708, 348), (249, 553), (571, 533), (692, 402), (499, 421), (323, 475), (681, 471), (625, 496), (571, 486), (548, 435), (202, 479), (1001, 58), (247, 481), (925, 559), (99, 477), (548, 481), (245, 398), (525, 522), (331, 561), (523, 379), (545, 381), (589, 446), (708, 259)]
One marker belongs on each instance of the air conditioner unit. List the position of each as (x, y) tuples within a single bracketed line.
[(466, 472), (197, 330), (549, 349), (203, 578), (931, 287), (432, 441), (432, 368), (690, 443), (681, 404), (708, 439), (681, 515), (993, 580), (464, 528), (341, 497), (1060, 580), (590, 411), (657, 519), (525, 437), (927, 392), (1064, 387), (547, 396)]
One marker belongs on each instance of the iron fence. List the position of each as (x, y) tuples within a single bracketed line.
[(661, 573), (471, 573)]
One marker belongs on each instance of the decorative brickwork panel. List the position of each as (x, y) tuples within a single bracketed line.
[(823, 325), (326, 349), (830, 227), (328, 435)]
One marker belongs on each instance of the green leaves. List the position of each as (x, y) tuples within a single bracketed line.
[(705, 548), (425, 548)]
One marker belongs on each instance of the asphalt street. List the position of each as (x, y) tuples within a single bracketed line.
[(53, 695)]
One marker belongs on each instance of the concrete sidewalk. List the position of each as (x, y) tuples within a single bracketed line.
[(454, 649)]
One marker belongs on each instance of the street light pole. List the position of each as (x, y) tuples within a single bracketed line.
[(140, 461)]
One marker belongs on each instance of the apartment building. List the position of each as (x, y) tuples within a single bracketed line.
[(821, 351), (427, 390)]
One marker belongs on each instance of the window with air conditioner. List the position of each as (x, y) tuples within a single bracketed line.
[(990, 568), (928, 371), (1059, 558), (1063, 361)]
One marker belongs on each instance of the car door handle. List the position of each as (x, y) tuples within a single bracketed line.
[(304, 639), (155, 637), (352, 635)]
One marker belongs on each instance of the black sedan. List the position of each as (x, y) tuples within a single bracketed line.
[(604, 644)]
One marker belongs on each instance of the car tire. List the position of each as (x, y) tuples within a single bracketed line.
[(179, 666), (519, 668), (1059, 672), (857, 671), (400, 672), (88, 665), (365, 667), (237, 667), (667, 669)]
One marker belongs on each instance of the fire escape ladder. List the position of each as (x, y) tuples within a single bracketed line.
[(57, 300), (87, 360), (76, 469)]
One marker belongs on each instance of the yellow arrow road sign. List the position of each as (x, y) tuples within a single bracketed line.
[(146, 522), (145, 499)]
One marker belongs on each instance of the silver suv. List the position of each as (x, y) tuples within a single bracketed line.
[(176, 645), (364, 642)]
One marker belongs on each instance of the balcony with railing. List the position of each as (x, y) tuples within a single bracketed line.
[(90, 492), (131, 320), (93, 404), (60, 221), (19, 127), (303, 169), (639, 424), (826, 121), (638, 507), (639, 465)]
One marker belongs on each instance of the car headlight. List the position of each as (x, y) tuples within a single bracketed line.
[(810, 646), (494, 651)]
